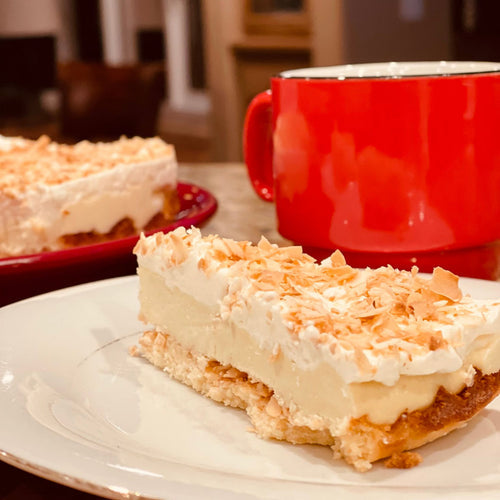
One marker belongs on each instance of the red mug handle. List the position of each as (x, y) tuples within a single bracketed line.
[(258, 145)]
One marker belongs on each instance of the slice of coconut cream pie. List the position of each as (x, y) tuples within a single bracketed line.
[(54, 196), (370, 362)]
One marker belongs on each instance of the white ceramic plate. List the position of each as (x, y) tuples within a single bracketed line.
[(78, 409)]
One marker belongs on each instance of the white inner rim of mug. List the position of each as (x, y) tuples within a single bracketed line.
[(394, 70)]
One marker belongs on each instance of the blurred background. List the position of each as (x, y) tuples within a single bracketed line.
[(186, 69)]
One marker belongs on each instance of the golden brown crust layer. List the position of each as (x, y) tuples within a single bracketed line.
[(121, 229), (171, 207), (368, 442)]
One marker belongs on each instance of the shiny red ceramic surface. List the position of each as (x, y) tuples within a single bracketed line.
[(28, 275), (381, 165)]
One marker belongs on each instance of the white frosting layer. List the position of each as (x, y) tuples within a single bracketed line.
[(35, 219), (468, 326)]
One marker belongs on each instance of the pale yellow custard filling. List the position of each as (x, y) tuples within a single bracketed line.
[(320, 396)]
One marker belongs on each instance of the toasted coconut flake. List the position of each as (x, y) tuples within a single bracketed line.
[(337, 259), (294, 252), (264, 244), (436, 342), (445, 283), (342, 273), (385, 325), (180, 253), (420, 306), (370, 311), (236, 249), (203, 264)]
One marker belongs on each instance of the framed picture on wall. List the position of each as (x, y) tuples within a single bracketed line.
[(277, 17)]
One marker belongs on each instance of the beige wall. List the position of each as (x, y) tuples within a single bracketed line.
[(374, 31), (327, 32), (28, 17), (24, 18), (222, 21), (355, 31)]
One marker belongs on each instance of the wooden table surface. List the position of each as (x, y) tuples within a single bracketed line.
[(242, 215)]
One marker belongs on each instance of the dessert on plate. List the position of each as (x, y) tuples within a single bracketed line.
[(54, 196), (371, 362)]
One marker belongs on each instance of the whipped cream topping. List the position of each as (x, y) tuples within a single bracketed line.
[(50, 190), (369, 325)]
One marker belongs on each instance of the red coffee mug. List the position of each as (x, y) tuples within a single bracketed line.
[(386, 157)]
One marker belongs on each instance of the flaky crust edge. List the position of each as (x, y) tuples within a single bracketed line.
[(360, 443)]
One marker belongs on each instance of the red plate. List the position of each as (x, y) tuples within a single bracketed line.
[(29, 275)]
